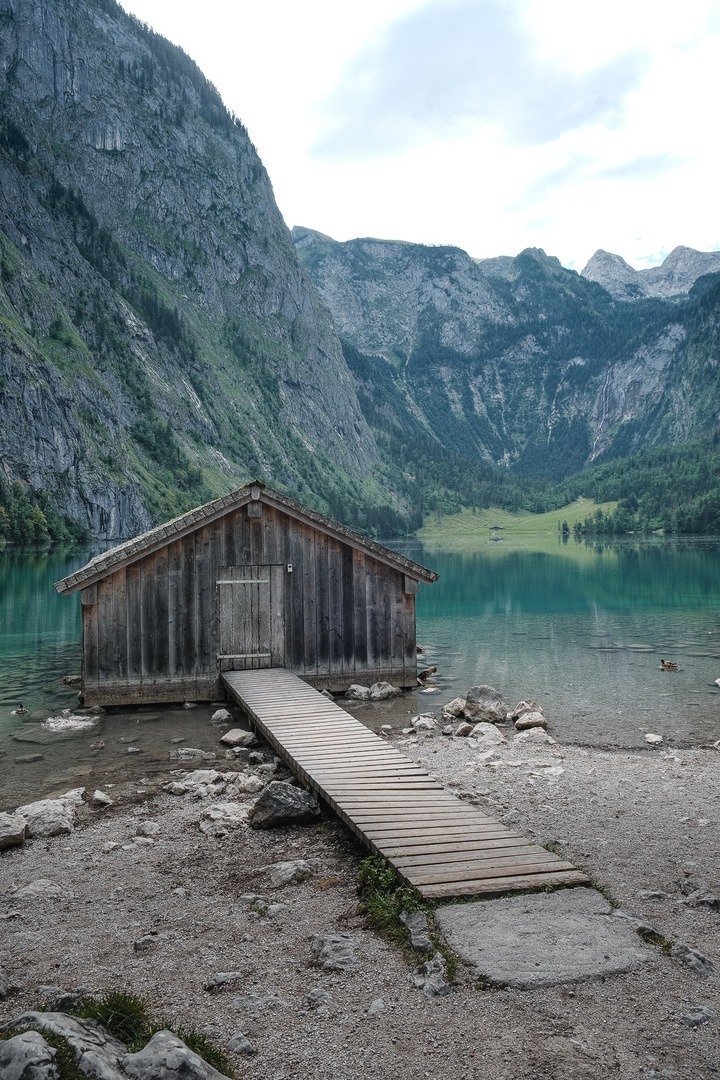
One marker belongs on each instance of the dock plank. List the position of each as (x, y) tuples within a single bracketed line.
[(435, 841)]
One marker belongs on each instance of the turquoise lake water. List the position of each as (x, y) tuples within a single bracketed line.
[(580, 629)]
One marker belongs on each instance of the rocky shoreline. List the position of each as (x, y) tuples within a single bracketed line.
[(165, 896)]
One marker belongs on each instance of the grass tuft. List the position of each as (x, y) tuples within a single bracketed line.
[(124, 1015)]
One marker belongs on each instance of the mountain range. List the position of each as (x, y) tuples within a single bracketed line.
[(164, 337)]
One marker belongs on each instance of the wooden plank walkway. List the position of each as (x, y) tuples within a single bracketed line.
[(436, 842)]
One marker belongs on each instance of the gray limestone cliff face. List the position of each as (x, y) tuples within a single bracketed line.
[(159, 341), (513, 360), (675, 276)]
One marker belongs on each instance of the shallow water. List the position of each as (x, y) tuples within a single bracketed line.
[(580, 629)]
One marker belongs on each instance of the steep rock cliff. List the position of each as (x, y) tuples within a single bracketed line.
[(516, 361), (159, 341)]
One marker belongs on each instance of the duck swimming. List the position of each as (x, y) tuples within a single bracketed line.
[(20, 711), (668, 665)]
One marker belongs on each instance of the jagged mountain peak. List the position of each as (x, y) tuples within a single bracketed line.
[(675, 276)]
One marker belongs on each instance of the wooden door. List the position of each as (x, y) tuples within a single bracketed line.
[(251, 616)]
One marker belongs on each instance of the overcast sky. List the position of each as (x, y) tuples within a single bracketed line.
[(494, 125)]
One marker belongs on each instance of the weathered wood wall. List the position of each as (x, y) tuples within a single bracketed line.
[(150, 630)]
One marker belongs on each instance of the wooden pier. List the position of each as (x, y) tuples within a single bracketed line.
[(436, 842)]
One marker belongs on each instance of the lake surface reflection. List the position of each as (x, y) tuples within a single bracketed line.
[(581, 629)]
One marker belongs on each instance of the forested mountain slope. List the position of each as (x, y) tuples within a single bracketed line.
[(159, 341), (517, 361)]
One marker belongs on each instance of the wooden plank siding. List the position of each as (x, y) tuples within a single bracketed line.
[(154, 632)]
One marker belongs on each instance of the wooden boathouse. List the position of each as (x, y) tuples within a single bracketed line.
[(251, 580)]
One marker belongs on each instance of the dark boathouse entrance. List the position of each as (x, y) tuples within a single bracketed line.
[(251, 580)]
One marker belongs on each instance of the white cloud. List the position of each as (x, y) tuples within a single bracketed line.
[(451, 66)]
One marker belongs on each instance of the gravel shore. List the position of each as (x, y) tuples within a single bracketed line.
[(640, 822)]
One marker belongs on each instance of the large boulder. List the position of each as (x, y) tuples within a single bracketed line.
[(12, 830), (27, 1057), (484, 703), (97, 1053), (47, 817), (283, 804), (166, 1057)]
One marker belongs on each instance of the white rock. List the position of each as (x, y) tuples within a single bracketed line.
[(97, 1053), (239, 737), (376, 1006), (40, 889), (100, 799), (487, 734), (654, 740), (485, 703), (239, 1044), (249, 784), (463, 729), (424, 722), (357, 693), (535, 736), (527, 706), (222, 716), (283, 873), (27, 1057), (147, 828), (111, 845), (528, 720), (201, 776), (168, 1058), (381, 691), (48, 817), (174, 788), (454, 707), (12, 830), (217, 819)]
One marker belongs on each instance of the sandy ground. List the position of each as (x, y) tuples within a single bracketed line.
[(638, 821)]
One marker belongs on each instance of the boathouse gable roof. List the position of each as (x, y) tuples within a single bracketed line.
[(131, 551)]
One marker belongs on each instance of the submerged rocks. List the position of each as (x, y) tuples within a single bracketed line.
[(379, 691), (283, 804), (239, 737)]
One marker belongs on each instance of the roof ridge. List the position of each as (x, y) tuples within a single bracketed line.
[(129, 551)]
